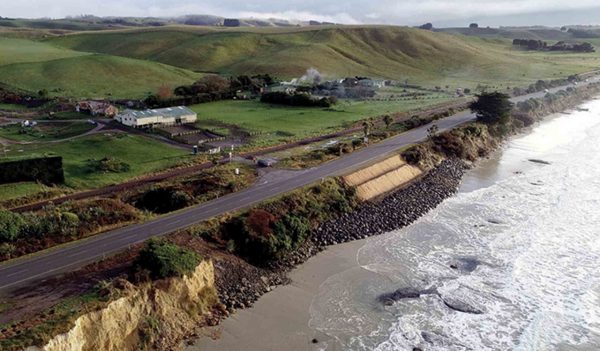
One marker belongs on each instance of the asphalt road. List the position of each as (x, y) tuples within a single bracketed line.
[(75, 255)]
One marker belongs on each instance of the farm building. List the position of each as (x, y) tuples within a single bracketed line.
[(97, 108), (157, 117)]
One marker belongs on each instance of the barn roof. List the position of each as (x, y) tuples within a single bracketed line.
[(176, 112)]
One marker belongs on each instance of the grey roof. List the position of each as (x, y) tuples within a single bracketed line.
[(176, 112)]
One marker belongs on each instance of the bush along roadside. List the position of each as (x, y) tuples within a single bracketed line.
[(35, 231), (475, 140)]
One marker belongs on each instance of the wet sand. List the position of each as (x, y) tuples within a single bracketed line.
[(279, 320)]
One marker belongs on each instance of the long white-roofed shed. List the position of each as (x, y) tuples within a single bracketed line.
[(157, 117)]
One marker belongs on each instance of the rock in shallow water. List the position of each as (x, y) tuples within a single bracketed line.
[(459, 305), (403, 293)]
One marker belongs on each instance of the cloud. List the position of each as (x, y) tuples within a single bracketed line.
[(349, 11), (302, 16), (445, 10)]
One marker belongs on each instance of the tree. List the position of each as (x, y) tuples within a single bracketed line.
[(427, 26), (367, 128), (164, 92), (388, 120), (260, 222), (184, 90), (211, 84), (164, 259), (492, 107), (473, 25), (10, 226)]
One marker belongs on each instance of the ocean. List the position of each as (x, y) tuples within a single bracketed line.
[(512, 262)]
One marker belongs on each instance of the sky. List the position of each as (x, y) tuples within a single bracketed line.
[(442, 13)]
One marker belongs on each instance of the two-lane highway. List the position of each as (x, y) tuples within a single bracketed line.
[(75, 255)]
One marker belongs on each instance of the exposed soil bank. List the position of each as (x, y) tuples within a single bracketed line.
[(150, 316)]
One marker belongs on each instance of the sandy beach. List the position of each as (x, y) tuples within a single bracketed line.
[(279, 320)]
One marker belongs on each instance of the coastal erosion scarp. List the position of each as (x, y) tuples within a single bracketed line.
[(143, 316)]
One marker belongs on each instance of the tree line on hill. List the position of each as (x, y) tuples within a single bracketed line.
[(210, 88), (583, 33), (539, 45), (23, 98), (214, 88)]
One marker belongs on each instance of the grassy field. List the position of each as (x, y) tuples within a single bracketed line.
[(143, 155), (131, 63), (45, 131), (12, 107), (14, 191), (94, 76), (422, 57), (23, 51), (288, 121)]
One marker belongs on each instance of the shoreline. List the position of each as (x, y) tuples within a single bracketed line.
[(252, 328), (281, 319), (241, 285)]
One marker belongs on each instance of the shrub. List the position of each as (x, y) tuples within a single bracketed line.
[(293, 229), (413, 155), (98, 213), (356, 143), (163, 259), (11, 225), (264, 234), (526, 119), (259, 222), (7, 250), (52, 223), (163, 200), (108, 165)]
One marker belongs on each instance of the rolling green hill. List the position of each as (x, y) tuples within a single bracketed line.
[(130, 63), (537, 33), (84, 75), (21, 51), (421, 56)]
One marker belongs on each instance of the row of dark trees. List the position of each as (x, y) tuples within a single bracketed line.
[(539, 45), (23, 98), (541, 85), (209, 88), (297, 99), (220, 86)]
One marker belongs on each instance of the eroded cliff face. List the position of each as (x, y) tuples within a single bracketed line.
[(151, 316)]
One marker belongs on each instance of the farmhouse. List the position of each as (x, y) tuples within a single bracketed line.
[(96, 108), (157, 117)]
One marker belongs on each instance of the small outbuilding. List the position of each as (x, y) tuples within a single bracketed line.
[(97, 108), (157, 117)]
